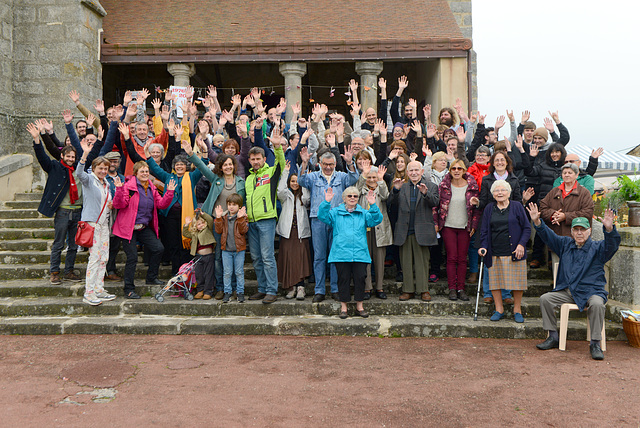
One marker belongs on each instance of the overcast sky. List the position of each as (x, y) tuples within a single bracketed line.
[(562, 55)]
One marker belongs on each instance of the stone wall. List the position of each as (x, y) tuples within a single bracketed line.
[(48, 47), (462, 11)]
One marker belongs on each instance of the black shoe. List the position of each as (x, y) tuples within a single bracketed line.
[(399, 277), (463, 296), (132, 295), (596, 351), (453, 295), (367, 295), (318, 298), (380, 294), (550, 343), (335, 296), (154, 282)]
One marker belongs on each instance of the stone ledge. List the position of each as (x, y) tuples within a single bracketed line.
[(13, 163)]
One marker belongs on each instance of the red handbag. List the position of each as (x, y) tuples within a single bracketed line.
[(84, 234)]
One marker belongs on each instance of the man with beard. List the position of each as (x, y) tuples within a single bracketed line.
[(410, 110), (62, 200), (448, 118), (140, 137)]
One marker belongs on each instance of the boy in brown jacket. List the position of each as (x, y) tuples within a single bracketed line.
[(200, 230), (232, 228)]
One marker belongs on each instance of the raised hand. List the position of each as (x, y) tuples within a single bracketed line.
[(236, 100), (417, 128), (281, 107), (431, 130), (397, 183), (117, 181), (86, 147), (525, 116), (132, 110), (414, 104), (75, 96), (186, 146), (527, 195), (597, 152), (117, 111), (287, 166), (481, 117), (462, 134), (67, 116), (331, 140), (510, 115), (99, 107), (47, 125), (168, 96), (534, 213), (304, 155), (178, 131), (212, 91), (426, 110), (141, 96), (276, 137), (127, 98), (499, 123), (519, 142), (90, 119), (219, 211), (426, 150), (348, 155), (382, 170), (607, 220), (533, 150), (242, 212), (33, 130), (124, 130), (172, 184), (165, 113), (554, 116), (371, 197), (548, 124), (366, 166), (328, 194), (353, 85), (296, 109), (355, 109), (201, 144), (422, 188), (403, 82), (156, 104), (189, 93), (413, 156)]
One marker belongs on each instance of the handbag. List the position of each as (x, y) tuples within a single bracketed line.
[(84, 234)]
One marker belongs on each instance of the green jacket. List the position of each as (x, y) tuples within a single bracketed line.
[(261, 187)]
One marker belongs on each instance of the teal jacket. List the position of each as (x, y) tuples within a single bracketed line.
[(217, 183), (349, 231), (261, 188), (166, 177)]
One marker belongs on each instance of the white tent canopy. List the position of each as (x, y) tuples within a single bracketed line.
[(607, 160)]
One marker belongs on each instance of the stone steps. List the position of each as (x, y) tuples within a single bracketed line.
[(21, 213), (310, 325), (27, 223), (28, 196), (22, 205)]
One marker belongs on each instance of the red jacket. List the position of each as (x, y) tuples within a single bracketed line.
[(473, 214), (478, 171)]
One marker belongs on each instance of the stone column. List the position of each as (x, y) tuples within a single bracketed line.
[(181, 73), (292, 73), (369, 72)]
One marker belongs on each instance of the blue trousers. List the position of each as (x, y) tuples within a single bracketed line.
[(233, 262), (262, 234), (322, 237)]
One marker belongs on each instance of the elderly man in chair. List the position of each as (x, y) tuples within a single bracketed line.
[(581, 278)]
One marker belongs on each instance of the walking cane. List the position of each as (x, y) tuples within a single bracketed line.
[(475, 315)]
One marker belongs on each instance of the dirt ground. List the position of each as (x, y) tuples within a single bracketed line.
[(267, 381)]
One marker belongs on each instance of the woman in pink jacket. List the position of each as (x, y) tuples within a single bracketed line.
[(137, 221)]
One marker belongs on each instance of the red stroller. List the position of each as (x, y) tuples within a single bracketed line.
[(182, 283)]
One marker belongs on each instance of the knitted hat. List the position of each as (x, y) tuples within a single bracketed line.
[(541, 132), (398, 125)]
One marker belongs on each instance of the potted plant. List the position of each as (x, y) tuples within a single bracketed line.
[(628, 192)]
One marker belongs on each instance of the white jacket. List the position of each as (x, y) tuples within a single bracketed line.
[(286, 215)]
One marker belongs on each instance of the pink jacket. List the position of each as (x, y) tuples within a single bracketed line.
[(128, 206)]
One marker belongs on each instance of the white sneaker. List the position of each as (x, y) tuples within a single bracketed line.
[(291, 294), (91, 299), (300, 295), (104, 296)]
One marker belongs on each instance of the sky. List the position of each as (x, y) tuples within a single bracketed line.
[(564, 56)]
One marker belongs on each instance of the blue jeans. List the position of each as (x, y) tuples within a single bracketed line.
[(506, 294), (322, 237), (262, 234), (218, 269), (65, 224), (233, 262)]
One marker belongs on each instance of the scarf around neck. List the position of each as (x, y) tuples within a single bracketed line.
[(73, 187), (187, 205)]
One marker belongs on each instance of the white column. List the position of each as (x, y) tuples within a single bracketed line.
[(181, 73), (369, 72), (292, 73)]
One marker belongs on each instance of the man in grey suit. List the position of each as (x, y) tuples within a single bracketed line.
[(415, 230)]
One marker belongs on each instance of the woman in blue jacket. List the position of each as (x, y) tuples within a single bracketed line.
[(349, 251)]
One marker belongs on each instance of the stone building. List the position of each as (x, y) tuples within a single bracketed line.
[(296, 50)]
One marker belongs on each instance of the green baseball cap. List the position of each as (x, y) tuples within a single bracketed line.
[(580, 221)]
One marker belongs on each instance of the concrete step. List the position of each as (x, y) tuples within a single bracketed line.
[(313, 325), (29, 223), (26, 245), (17, 214), (179, 306), (21, 205), (41, 271), (28, 196), (26, 233)]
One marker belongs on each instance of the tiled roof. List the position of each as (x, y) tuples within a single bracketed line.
[(278, 29)]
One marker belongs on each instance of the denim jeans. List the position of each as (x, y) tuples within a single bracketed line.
[(65, 224), (218, 266), (233, 262), (262, 234), (322, 238), (506, 294)]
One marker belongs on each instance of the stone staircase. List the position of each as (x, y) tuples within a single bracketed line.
[(29, 304)]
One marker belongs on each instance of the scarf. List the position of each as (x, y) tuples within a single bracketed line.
[(187, 205), (73, 187), (138, 141)]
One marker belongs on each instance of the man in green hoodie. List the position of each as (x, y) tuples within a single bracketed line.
[(261, 187)]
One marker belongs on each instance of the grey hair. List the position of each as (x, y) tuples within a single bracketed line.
[(154, 145), (501, 183), (484, 149), (327, 155), (363, 133), (573, 167), (351, 190)]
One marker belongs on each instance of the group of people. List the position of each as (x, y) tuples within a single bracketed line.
[(346, 196)]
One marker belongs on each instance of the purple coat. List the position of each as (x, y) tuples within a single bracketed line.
[(519, 230)]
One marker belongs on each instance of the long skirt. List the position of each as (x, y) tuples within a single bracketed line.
[(294, 259)]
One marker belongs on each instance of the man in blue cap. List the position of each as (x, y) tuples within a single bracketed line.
[(581, 279)]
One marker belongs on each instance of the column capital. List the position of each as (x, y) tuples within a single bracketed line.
[(181, 69), (369, 67), (297, 69)]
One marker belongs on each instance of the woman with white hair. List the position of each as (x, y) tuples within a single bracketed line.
[(503, 239)]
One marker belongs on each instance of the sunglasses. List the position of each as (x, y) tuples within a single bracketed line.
[(457, 168), (351, 196)]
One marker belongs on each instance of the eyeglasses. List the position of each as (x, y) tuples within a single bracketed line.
[(457, 168), (351, 196)]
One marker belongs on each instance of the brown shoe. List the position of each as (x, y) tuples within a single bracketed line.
[(219, 295), (206, 297), (508, 301), (269, 298), (426, 297), (473, 278), (71, 276), (257, 296), (488, 300), (535, 264), (406, 296), (113, 277), (199, 295), (55, 278)]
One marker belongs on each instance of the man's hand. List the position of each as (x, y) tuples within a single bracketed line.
[(413, 156), (281, 107), (124, 130), (355, 109), (607, 220), (461, 134), (304, 155), (548, 124), (331, 140), (296, 109), (67, 116), (397, 183), (328, 194), (481, 117), (431, 130), (132, 110), (236, 100), (499, 123), (212, 91), (47, 126), (382, 84), (403, 82), (533, 150), (511, 116), (554, 116), (527, 195), (165, 113), (156, 104), (353, 85), (99, 107), (519, 143), (422, 188), (75, 97), (597, 152), (141, 96), (426, 110), (90, 119), (525, 116), (534, 213), (117, 111), (276, 138), (33, 130), (86, 147), (348, 156), (414, 105)]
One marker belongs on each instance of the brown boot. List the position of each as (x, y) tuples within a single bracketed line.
[(473, 278)]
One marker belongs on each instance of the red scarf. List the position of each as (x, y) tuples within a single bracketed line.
[(73, 188)]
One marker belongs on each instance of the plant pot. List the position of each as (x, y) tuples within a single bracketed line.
[(634, 213)]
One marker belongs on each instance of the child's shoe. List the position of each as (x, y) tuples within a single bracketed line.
[(226, 297), (240, 297)]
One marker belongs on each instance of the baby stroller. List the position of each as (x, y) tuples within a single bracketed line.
[(182, 283)]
